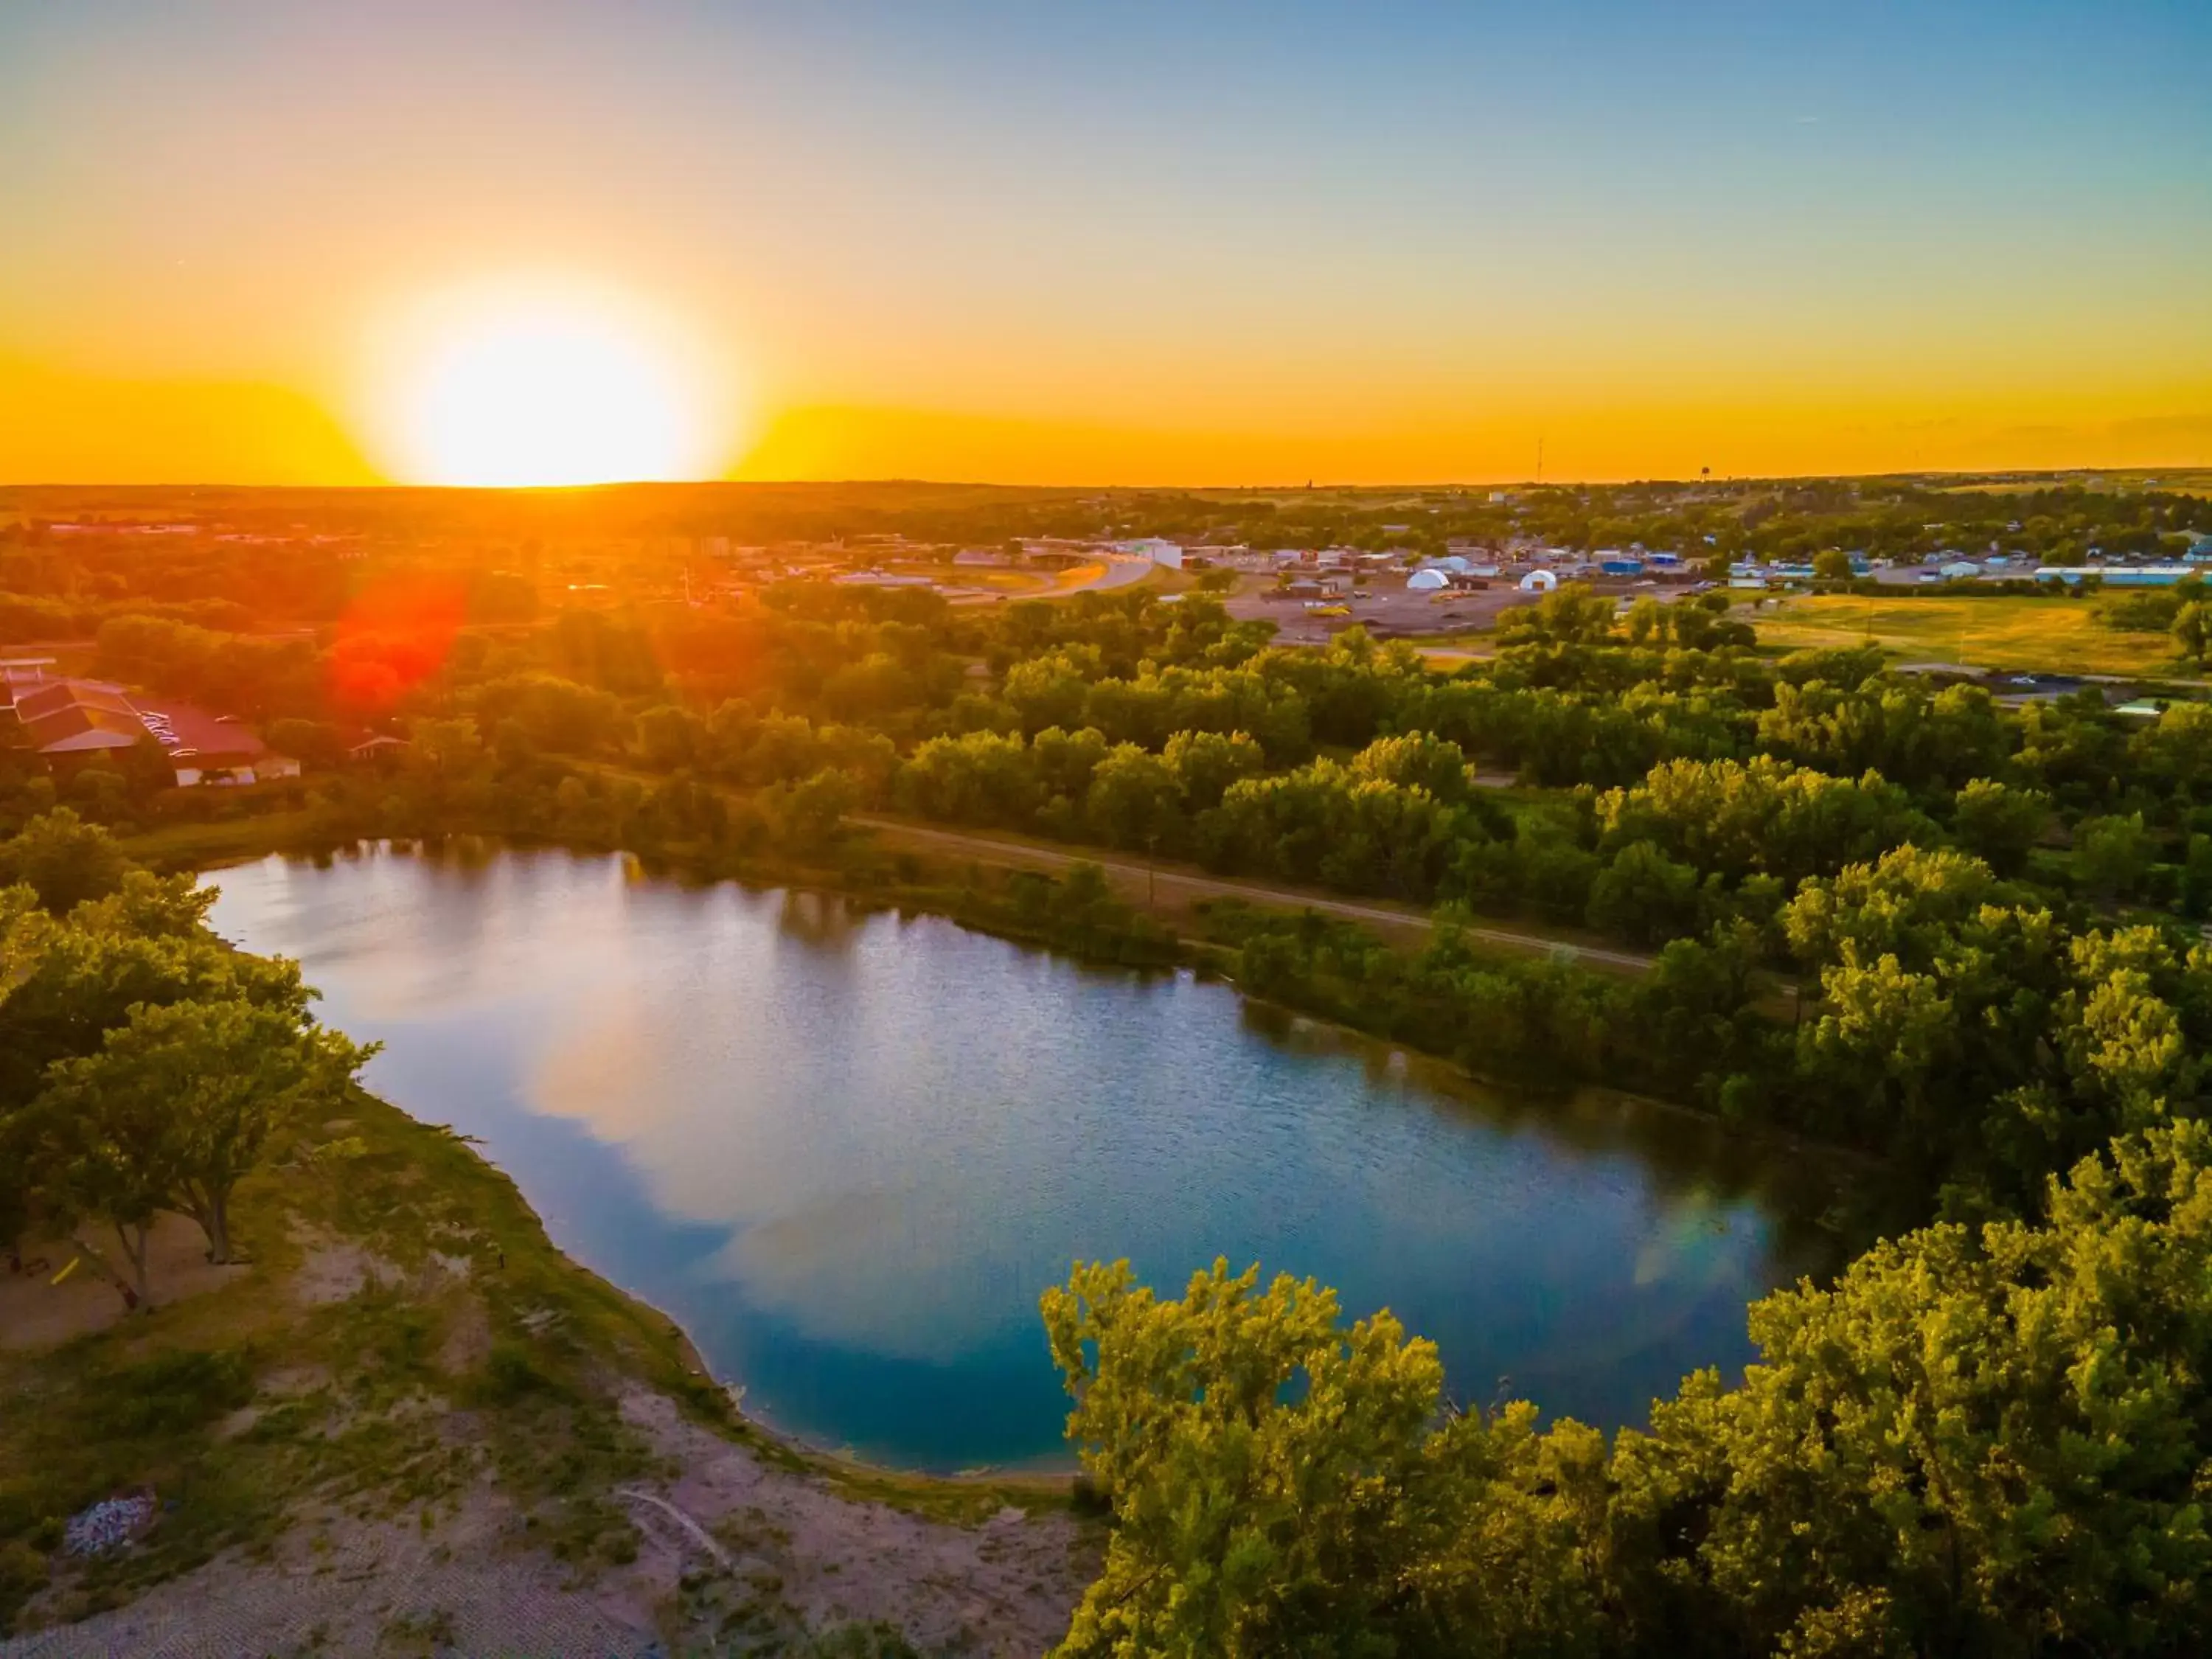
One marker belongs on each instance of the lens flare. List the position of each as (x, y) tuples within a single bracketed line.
[(389, 640), (512, 388)]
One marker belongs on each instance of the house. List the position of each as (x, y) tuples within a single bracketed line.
[(20, 674), (262, 765), (73, 718), (68, 721), (376, 745), (1958, 570), (207, 748), (2138, 575)]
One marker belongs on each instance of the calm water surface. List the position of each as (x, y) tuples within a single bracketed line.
[(848, 1151)]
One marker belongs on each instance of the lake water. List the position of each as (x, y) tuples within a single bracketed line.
[(847, 1150)]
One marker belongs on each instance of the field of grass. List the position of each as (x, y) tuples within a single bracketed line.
[(175, 847), (2049, 635), (2165, 480)]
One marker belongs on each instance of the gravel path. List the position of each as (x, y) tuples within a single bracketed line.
[(1172, 883)]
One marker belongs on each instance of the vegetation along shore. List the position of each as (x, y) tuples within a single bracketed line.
[(326, 1369)]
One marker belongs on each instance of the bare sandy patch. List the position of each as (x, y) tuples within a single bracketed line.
[(728, 1529), (468, 1338), (335, 1269), (336, 1585), (36, 1313), (1004, 1588)]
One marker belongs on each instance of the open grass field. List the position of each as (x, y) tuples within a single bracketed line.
[(2048, 635), (2163, 480)]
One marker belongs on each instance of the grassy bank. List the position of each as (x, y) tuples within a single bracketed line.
[(406, 1337), (2052, 636), (391, 1268)]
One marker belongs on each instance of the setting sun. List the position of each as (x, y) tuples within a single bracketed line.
[(507, 390)]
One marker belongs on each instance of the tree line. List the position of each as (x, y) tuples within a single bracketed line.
[(145, 1065)]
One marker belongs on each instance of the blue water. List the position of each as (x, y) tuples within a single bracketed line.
[(847, 1151)]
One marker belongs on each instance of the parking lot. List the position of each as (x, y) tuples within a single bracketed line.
[(1388, 609)]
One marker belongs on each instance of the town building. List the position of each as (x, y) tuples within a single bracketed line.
[(1166, 554), (69, 722)]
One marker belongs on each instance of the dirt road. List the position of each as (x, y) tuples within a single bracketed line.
[(1178, 884)]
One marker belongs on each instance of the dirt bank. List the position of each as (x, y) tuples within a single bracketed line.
[(412, 1426)]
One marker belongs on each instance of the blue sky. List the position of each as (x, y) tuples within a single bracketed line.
[(1343, 222)]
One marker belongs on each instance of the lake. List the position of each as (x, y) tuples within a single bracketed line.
[(847, 1150)]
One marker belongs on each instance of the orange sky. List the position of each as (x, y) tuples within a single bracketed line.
[(1102, 245)]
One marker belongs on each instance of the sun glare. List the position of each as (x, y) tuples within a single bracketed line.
[(536, 389)]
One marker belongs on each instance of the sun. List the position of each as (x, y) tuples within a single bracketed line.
[(521, 388)]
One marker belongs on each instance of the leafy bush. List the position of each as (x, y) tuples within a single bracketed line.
[(171, 1393)]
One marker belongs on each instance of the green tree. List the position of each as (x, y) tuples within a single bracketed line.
[(1832, 565), (1135, 800), (2000, 821), (1644, 896), (1884, 1035), (2111, 855), (1984, 1444), (668, 737), (69, 982), (1417, 760), (1206, 763), (179, 1104), (17, 1188), (1050, 690), (63, 860), (447, 750), (1569, 615), (2192, 631), (313, 744), (1278, 1485), (815, 809)]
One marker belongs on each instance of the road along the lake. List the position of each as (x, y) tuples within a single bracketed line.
[(1177, 884)]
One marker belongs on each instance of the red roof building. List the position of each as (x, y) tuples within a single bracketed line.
[(66, 718)]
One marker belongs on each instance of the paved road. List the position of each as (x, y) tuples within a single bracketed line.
[(1121, 571), (1002, 850)]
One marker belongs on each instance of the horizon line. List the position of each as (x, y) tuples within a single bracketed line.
[(1314, 485)]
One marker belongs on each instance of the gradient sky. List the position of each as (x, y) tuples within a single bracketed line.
[(1133, 242)]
